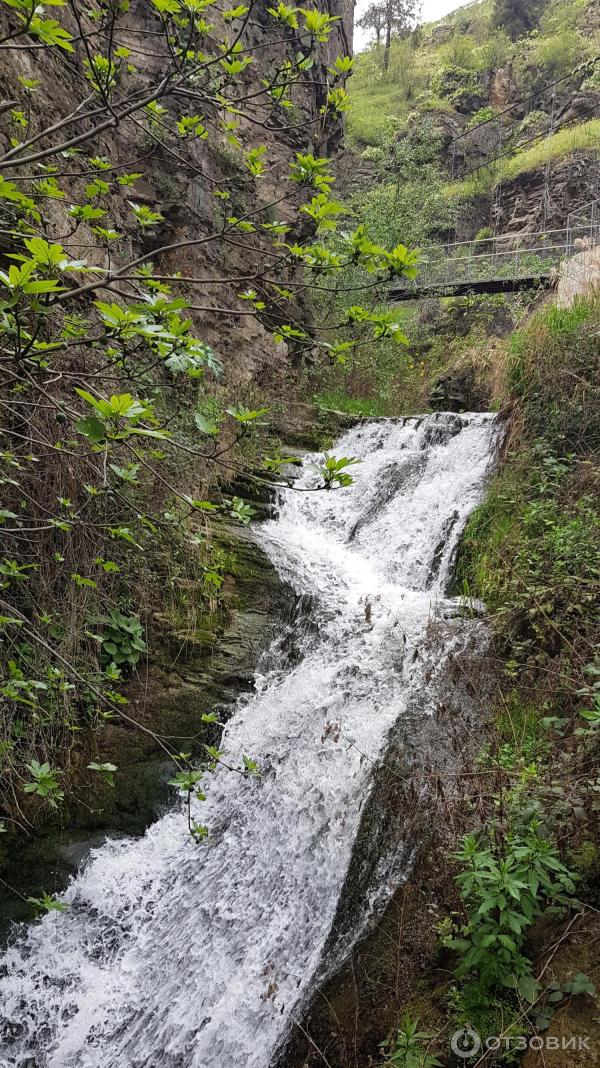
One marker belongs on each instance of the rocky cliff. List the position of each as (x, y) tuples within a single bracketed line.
[(187, 198)]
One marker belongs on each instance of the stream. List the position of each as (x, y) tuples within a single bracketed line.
[(177, 954)]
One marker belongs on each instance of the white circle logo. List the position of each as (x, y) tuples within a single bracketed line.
[(465, 1043)]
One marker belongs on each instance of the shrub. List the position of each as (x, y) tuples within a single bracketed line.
[(452, 80), (559, 53), (372, 154), (485, 114), (122, 641), (459, 52), (505, 884)]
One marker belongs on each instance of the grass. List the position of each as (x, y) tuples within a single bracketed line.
[(370, 111), (586, 135), (560, 145), (381, 100), (338, 401), (532, 549)]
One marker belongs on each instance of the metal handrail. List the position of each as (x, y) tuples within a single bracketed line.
[(505, 237), (443, 265)]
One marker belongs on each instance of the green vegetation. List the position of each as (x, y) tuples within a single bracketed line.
[(408, 204), (341, 402), (585, 136), (505, 884), (526, 850), (440, 65), (123, 428), (438, 83), (122, 422), (532, 551), (409, 1047)]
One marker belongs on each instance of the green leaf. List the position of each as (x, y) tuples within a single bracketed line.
[(92, 429), (528, 988), (250, 766), (247, 415), (106, 770), (48, 904), (205, 424)]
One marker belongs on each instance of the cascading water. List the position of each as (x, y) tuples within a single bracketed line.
[(182, 955)]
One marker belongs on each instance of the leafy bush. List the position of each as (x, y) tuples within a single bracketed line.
[(372, 154), (532, 551), (44, 782), (505, 884), (452, 81), (496, 51), (485, 114), (122, 641), (558, 53), (459, 51), (533, 122)]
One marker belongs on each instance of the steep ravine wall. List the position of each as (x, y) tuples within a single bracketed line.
[(203, 650), (536, 200)]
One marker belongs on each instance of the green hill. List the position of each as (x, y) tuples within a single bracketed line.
[(450, 64)]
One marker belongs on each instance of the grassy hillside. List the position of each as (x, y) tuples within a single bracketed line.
[(437, 64), (584, 135), (445, 80)]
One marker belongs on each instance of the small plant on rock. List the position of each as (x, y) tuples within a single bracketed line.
[(505, 884), (122, 641), (408, 1047)]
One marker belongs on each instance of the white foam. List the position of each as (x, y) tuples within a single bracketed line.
[(194, 956)]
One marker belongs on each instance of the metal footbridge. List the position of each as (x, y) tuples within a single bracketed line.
[(501, 264)]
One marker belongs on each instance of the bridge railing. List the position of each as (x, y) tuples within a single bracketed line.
[(584, 223), (509, 256)]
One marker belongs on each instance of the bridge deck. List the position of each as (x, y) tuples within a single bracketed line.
[(505, 263), (464, 289)]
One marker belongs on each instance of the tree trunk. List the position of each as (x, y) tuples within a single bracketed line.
[(388, 41)]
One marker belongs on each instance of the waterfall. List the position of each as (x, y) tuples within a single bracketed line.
[(176, 954)]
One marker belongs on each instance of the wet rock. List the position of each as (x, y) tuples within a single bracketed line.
[(396, 874), (440, 432), (503, 88), (457, 391)]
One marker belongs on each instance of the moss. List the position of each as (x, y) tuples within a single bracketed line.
[(338, 401), (494, 1016)]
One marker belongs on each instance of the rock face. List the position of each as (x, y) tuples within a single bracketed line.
[(503, 89), (201, 668), (529, 203), (579, 275), (201, 664), (190, 671), (534, 201), (457, 391)]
